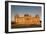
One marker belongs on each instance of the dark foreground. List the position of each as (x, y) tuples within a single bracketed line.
[(24, 25)]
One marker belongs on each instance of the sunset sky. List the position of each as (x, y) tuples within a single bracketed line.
[(21, 10)]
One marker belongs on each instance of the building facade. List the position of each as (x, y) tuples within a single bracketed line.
[(26, 19)]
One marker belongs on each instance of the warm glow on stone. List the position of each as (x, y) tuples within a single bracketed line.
[(27, 20)]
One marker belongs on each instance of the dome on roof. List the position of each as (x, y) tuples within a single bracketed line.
[(26, 15)]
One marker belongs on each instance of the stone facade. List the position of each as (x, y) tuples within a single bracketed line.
[(27, 20)]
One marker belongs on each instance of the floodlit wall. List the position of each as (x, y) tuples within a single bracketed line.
[(27, 20)]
